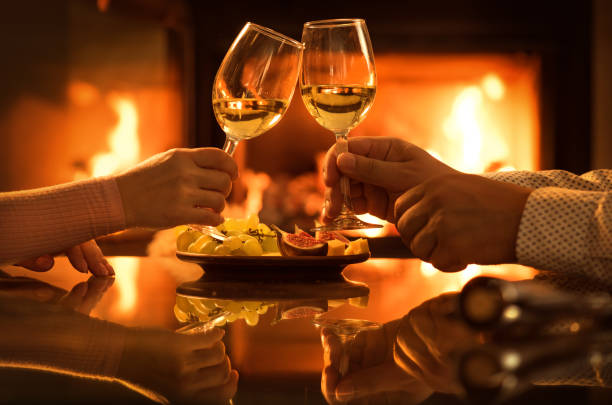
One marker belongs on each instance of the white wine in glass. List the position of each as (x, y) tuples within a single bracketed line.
[(255, 82), (254, 85), (338, 85)]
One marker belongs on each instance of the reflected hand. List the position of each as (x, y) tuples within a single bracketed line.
[(373, 376), (183, 368), (82, 298), (380, 169), (85, 295), (179, 186), (429, 340), (84, 257), (457, 219)]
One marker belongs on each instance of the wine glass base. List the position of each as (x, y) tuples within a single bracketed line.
[(346, 327), (345, 223)]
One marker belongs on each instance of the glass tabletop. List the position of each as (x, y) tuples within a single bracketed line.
[(269, 334)]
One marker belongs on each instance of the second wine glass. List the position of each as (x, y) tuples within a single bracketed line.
[(338, 84)]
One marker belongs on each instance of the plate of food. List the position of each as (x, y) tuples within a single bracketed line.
[(251, 248)]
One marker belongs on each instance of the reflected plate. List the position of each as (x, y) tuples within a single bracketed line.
[(285, 267)]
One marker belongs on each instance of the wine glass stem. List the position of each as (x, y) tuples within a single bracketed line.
[(345, 185), (346, 342), (230, 146)]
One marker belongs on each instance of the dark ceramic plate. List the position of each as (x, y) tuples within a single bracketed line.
[(284, 267)]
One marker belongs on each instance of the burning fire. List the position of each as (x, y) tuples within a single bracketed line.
[(122, 140), (124, 151), (476, 142), (126, 284), (257, 184)]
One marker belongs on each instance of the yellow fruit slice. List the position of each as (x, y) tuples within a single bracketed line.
[(335, 248), (185, 239), (357, 247)]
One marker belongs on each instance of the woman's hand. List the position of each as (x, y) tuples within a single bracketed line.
[(84, 257), (179, 186), (83, 297), (183, 368)]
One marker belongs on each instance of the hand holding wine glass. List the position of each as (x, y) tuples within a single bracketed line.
[(254, 86), (338, 85)]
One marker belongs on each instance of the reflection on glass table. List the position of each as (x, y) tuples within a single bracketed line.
[(47, 340), (203, 304), (345, 330)]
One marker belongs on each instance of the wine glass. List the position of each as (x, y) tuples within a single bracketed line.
[(338, 84), (254, 86), (255, 83), (346, 330)]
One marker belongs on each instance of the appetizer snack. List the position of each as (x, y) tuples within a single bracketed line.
[(219, 311), (222, 311), (249, 237), (301, 243), (245, 237)]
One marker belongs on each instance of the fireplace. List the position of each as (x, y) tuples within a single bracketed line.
[(112, 82), (89, 90)]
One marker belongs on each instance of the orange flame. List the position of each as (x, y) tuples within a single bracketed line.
[(123, 139), (127, 274), (257, 184)]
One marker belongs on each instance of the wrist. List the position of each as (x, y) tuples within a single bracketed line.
[(522, 196), (124, 186)]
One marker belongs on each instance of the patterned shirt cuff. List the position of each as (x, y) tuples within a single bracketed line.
[(556, 230)]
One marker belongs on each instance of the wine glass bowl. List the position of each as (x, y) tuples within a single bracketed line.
[(338, 86), (255, 83), (346, 330)]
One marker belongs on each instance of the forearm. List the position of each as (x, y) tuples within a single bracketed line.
[(567, 231), (596, 180), (58, 340), (51, 219)]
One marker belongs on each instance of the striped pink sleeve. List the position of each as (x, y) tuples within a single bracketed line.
[(52, 219)]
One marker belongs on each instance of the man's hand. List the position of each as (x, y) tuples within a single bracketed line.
[(373, 375), (457, 219), (380, 170), (429, 340), (84, 257)]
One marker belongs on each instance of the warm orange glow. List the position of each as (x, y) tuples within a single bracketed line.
[(122, 140), (456, 281), (427, 269), (82, 94), (493, 86), (256, 183), (127, 269), (374, 232)]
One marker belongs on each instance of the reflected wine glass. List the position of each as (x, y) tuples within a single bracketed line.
[(338, 84), (345, 330), (255, 83)]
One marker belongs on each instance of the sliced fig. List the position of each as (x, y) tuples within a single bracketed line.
[(324, 236), (299, 244), (301, 309)]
